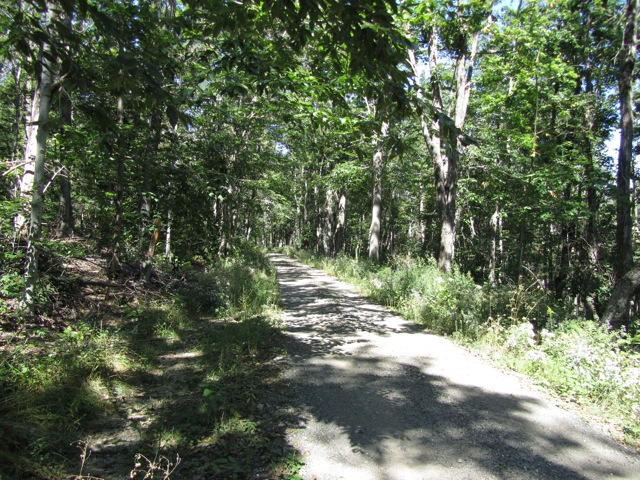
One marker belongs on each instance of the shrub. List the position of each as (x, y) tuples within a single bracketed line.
[(247, 283), (449, 304), (580, 360)]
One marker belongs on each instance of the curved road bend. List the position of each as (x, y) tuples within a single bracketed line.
[(379, 399)]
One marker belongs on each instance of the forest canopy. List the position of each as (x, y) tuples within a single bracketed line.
[(468, 131)]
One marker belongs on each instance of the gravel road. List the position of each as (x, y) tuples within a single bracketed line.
[(379, 399)]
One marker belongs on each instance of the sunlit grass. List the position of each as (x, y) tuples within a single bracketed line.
[(214, 335)]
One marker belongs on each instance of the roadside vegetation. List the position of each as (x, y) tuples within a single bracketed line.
[(145, 144), (519, 327), (138, 380)]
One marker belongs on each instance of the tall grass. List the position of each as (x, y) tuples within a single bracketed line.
[(519, 327), (55, 385)]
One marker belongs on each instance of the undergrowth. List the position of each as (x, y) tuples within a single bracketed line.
[(519, 327), (212, 416)]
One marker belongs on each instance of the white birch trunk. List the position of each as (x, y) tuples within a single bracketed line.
[(38, 143), (25, 184)]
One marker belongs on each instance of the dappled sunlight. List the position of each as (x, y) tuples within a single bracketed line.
[(382, 399)]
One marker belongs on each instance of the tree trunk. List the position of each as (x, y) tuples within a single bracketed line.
[(67, 224), (430, 123), (147, 202), (341, 226), (522, 246), (615, 316), (40, 134), (327, 228), (624, 240), (423, 219), (440, 136), (226, 222), (376, 211), (447, 166), (560, 283), (16, 71), (390, 226), (446, 171), (116, 240), (167, 241), (317, 218), (618, 306), (26, 183), (493, 257), (17, 158)]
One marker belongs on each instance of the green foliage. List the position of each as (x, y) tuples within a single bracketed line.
[(11, 256), (446, 304), (49, 384), (209, 120), (58, 386), (582, 361), (205, 296), (247, 283)]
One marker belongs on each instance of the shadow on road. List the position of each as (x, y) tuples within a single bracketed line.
[(378, 403)]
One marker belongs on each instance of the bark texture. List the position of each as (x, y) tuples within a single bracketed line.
[(443, 141), (376, 211), (39, 137), (617, 312), (624, 240), (618, 306)]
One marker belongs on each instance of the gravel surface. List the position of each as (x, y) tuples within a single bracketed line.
[(379, 399)]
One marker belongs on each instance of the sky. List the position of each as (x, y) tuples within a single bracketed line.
[(613, 144)]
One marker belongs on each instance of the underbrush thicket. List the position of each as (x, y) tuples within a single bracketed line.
[(60, 389), (517, 326)]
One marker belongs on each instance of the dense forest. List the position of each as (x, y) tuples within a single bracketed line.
[(471, 132), (472, 135)]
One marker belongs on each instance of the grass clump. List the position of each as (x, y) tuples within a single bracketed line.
[(51, 383)]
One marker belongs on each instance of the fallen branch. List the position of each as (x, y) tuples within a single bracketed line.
[(97, 283)]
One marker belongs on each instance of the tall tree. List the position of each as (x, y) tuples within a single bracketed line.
[(376, 213), (35, 152), (628, 281), (624, 240), (462, 22)]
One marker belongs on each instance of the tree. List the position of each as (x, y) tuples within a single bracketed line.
[(616, 316), (35, 157), (376, 214), (462, 24)]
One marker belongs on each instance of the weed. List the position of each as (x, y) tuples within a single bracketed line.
[(142, 367), (159, 467)]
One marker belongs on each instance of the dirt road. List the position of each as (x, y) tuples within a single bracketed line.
[(382, 400)]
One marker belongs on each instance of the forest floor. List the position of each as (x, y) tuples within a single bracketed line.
[(143, 386), (204, 402), (379, 398)]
